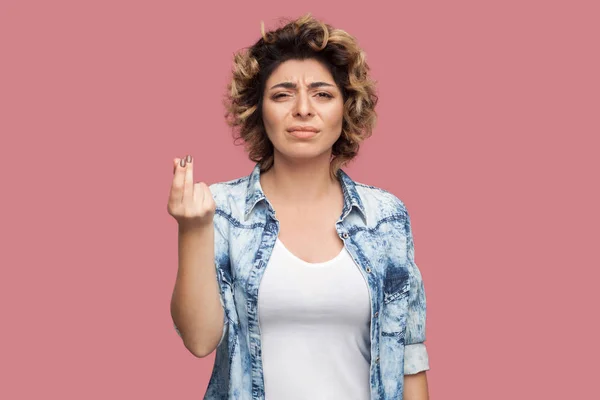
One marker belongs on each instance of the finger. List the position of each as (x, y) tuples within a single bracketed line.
[(178, 180), (208, 197), (199, 193), (188, 185)]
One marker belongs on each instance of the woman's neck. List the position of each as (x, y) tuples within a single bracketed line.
[(299, 184)]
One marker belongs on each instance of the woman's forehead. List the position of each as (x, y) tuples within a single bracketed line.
[(300, 72)]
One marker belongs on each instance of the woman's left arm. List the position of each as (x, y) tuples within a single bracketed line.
[(415, 386), (416, 359)]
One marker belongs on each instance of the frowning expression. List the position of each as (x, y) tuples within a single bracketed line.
[(302, 109)]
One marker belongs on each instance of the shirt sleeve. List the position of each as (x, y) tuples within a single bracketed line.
[(415, 352), (416, 358), (226, 292)]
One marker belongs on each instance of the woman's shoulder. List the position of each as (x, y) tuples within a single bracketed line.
[(230, 188), (230, 197), (380, 198)]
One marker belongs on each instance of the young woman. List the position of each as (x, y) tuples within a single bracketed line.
[(303, 280)]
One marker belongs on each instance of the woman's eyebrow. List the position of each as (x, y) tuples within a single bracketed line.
[(291, 85)]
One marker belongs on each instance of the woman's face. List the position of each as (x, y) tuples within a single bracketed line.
[(302, 109)]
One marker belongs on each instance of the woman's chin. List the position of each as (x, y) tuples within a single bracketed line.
[(306, 153)]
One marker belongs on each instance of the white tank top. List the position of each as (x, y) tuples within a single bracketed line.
[(314, 320)]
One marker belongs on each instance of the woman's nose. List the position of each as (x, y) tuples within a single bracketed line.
[(303, 107)]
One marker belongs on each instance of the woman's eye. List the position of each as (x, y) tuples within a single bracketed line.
[(282, 95)]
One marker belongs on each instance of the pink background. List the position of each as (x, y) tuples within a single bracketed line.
[(488, 130)]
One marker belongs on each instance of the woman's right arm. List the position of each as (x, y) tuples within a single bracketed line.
[(196, 307)]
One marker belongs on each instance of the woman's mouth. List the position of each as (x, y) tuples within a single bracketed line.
[(303, 134)]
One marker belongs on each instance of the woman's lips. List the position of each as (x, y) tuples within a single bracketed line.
[(303, 134)]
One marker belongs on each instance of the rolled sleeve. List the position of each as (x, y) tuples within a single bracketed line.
[(416, 358), (226, 297), (417, 303)]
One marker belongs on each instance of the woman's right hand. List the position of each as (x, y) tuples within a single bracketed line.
[(191, 204)]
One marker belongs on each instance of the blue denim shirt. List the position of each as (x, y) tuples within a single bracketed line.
[(376, 231)]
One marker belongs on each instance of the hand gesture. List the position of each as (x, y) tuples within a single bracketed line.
[(191, 204)]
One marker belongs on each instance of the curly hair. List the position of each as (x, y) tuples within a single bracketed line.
[(300, 39)]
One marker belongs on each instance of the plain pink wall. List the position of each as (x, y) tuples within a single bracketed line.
[(489, 118)]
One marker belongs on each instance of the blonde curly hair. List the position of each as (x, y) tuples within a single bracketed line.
[(303, 38)]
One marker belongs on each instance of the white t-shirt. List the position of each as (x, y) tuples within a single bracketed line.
[(314, 320)]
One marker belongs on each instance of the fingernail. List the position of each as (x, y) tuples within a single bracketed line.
[(188, 158), (182, 162)]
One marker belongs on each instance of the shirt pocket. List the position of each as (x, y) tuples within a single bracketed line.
[(395, 303)]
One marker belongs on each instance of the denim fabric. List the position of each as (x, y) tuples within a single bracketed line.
[(376, 231)]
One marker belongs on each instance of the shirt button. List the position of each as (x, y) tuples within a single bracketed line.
[(376, 314), (345, 235), (368, 270), (377, 360)]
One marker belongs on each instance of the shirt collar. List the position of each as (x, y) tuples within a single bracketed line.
[(254, 193)]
